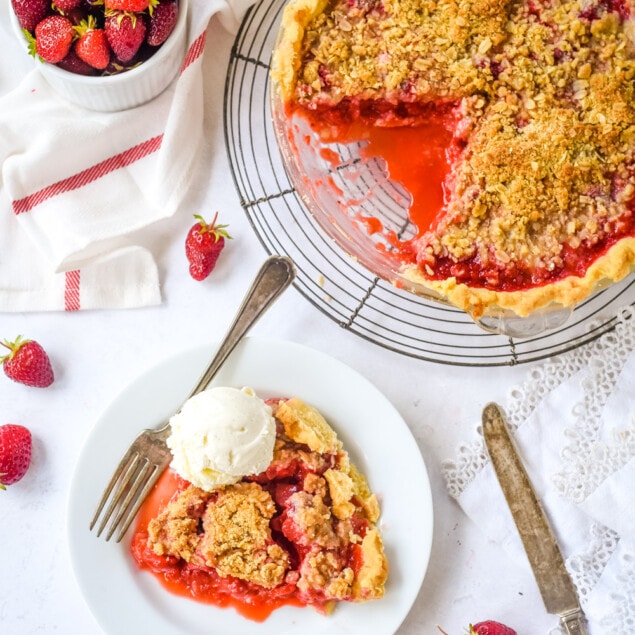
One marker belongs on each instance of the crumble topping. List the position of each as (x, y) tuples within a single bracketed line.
[(396, 48), (549, 159), (175, 530), (307, 522), (341, 489), (311, 517), (236, 536), (543, 117), (322, 570)]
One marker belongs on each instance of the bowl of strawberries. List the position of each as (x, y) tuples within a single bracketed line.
[(104, 55)]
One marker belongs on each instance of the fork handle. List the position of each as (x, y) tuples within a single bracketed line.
[(275, 275)]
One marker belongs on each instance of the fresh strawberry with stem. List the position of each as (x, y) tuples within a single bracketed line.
[(162, 22), (490, 627), (27, 363), (203, 245), (125, 32), (52, 38), (30, 12), (92, 44), (15, 453)]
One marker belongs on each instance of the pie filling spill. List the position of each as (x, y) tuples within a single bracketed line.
[(303, 532), (529, 114)]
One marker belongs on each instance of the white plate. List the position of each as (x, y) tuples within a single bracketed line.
[(125, 600)]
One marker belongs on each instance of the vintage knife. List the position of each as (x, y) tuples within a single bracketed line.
[(556, 587)]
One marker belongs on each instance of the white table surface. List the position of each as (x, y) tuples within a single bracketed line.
[(97, 354)]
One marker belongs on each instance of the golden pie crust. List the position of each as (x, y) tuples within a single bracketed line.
[(543, 105)]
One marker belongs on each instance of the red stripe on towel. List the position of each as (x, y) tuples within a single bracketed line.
[(195, 51), (71, 291), (89, 175)]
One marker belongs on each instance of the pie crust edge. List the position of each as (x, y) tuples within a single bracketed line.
[(287, 53), (610, 267)]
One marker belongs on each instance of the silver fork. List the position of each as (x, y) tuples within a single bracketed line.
[(148, 455)]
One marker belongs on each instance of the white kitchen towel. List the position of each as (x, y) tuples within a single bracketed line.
[(76, 183), (574, 424)]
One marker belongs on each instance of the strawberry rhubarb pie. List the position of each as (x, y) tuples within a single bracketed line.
[(261, 508), (527, 109)]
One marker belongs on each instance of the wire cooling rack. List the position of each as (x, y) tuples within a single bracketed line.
[(327, 277)]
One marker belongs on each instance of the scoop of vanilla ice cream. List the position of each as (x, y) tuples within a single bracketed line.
[(221, 435)]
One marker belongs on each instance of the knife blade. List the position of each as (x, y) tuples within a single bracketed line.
[(556, 588)]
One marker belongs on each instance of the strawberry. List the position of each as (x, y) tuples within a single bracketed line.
[(15, 453), (76, 15), (132, 6), (115, 67), (62, 6), (125, 33), (203, 246), (53, 38), (490, 627), (92, 45), (162, 22), (30, 12), (27, 363), (74, 64)]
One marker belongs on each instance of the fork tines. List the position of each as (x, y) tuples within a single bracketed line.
[(133, 479)]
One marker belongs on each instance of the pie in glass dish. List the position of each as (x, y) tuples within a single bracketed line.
[(303, 532), (525, 114)]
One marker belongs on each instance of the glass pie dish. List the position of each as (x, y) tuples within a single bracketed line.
[(353, 199)]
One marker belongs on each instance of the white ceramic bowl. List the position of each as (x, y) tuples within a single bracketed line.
[(124, 90)]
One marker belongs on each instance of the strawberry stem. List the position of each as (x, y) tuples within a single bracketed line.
[(12, 346), (212, 228), (201, 221)]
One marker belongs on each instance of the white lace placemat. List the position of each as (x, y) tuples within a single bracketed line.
[(574, 423)]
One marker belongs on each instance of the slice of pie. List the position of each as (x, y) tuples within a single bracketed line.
[(539, 102), (303, 532)]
